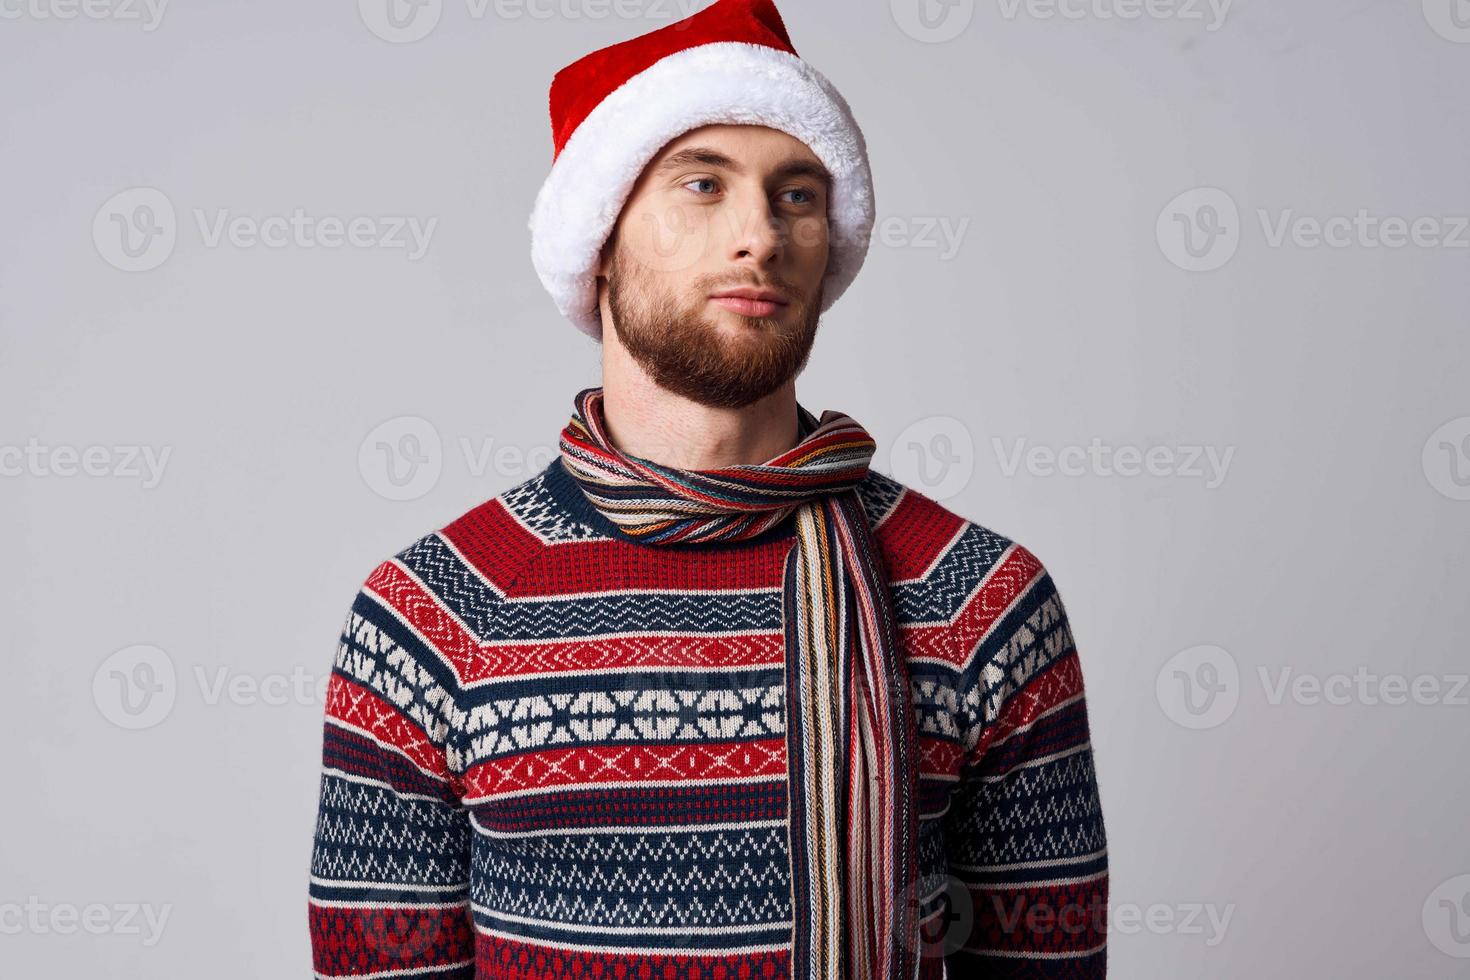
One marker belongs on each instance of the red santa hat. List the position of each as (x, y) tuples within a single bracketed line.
[(613, 110)]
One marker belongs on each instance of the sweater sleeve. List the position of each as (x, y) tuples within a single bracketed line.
[(1024, 834), (389, 885)]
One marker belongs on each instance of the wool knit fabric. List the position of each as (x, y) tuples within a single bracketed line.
[(850, 735), (554, 750)]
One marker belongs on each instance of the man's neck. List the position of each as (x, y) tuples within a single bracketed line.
[(653, 423)]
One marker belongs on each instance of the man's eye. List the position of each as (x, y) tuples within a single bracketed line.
[(701, 180), (802, 190)]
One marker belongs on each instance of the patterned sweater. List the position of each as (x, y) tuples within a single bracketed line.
[(552, 751)]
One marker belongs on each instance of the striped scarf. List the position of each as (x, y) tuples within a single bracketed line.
[(852, 814)]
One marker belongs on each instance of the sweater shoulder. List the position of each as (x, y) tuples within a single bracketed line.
[(980, 585), (472, 562), (1002, 625), (926, 539)]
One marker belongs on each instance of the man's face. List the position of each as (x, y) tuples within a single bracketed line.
[(721, 208)]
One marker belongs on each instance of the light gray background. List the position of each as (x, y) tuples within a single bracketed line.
[(1331, 835)]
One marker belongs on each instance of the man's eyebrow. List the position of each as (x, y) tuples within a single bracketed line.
[(806, 168), (705, 156)]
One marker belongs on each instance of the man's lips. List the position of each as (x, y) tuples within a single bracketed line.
[(751, 302)]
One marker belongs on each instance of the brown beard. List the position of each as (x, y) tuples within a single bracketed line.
[(686, 352)]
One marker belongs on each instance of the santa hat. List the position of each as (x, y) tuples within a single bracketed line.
[(613, 110)]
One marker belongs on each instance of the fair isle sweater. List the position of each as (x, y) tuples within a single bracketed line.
[(553, 751)]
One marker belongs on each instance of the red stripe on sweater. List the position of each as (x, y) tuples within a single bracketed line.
[(626, 763), (1007, 581), (1060, 681), (421, 610), (384, 938), (493, 542), (364, 709), (643, 652), (603, 565), (496, 956)]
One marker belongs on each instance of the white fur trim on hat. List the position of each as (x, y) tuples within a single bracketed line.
[(730, 82)]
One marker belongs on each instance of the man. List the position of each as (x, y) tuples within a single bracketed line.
[(708, 696)]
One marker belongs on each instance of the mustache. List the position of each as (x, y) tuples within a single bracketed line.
[(628, 269)]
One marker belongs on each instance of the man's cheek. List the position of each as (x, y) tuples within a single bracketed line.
[(810, 233), (671, 238)]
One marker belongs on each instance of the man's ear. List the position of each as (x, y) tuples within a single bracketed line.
[(605, 254)]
